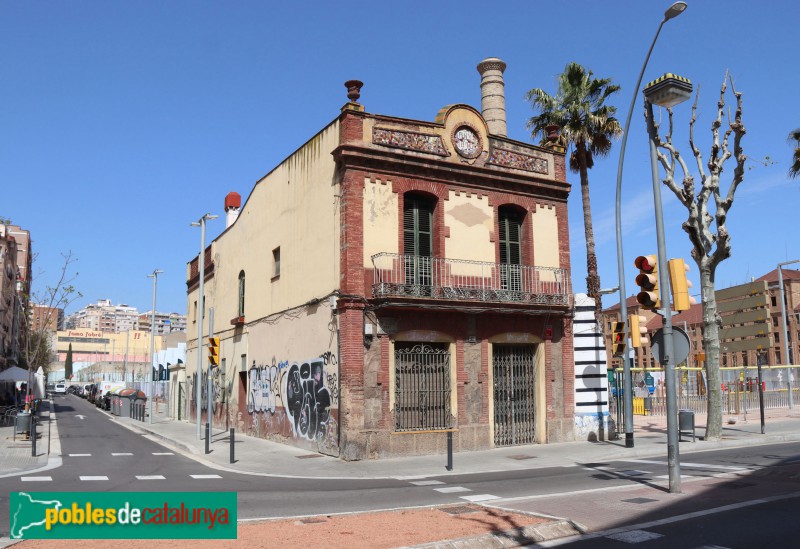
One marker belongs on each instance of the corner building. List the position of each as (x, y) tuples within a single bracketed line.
[(394, 280)]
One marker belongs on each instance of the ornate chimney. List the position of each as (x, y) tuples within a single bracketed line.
[(493, 97), (233, 201)]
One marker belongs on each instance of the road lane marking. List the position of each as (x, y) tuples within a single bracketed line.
[(452, 489), (150, 477), (36, 479), (79, 455), (692, 465), (205, 476), (121, 454), (480, 497), (426, 482), (163, 454), (94, 478)]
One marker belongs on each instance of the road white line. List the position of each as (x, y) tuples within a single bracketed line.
[(163, 454), (205, 476), (79, 455), (36, 479), (149, 477), (691, 465), (662, 477), (452, 489), (121, 454), (426, 482), (94, 478), (480, 497), (634, 473)]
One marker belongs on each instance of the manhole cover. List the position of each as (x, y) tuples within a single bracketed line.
[(639, 500), (309, 456), (521, 457), (459, 510)]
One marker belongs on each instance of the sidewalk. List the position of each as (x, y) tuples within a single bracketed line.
[(15, 452), (262, 457)]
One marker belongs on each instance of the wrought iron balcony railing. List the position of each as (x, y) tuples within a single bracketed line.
[(397, 275)]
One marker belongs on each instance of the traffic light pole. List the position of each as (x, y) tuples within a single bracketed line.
[(210, 366), (668, 358)]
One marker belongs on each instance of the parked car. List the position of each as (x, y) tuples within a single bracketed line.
[(61, 389), (50, 388), (87, 390)]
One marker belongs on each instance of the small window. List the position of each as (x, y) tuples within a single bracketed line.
[(276, 262), (194, 313), (244, 363), (774, 301), (241, 293)]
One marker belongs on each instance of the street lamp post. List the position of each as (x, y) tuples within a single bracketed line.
[(201, 261), (666, 91), (154, 276), (785, 330), (627, 363)]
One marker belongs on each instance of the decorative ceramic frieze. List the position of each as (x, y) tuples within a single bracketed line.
[(411, 141), (517, 160)]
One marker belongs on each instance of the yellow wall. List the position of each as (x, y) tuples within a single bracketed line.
[(380, 219), (545, 239), (471, 222)]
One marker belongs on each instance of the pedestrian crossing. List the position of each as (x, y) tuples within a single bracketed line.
[(442, 488), (120, 454)]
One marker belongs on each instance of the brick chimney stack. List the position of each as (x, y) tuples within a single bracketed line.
[(493, 97)]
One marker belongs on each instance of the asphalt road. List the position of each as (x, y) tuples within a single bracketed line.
[(100, 455)]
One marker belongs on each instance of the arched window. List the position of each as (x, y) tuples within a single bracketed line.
[(241, 293)]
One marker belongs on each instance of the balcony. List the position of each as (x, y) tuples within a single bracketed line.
[(408, 276)]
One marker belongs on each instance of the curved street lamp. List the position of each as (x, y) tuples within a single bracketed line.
[(673, 11)]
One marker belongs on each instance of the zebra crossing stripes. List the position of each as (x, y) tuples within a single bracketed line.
[(94, 477), (150, 477), (36, 479), (204, 476), (91, 478)]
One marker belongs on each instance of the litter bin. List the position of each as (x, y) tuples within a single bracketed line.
[(22, 423), (127, 400), (686, 424)]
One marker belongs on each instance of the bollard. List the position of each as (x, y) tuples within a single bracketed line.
[(208, 436), (449, 450), (232, 440), (33, 436)]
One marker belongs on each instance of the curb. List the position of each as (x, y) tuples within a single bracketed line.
[(510, 538)]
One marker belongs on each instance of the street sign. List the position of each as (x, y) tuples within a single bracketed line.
[(757, 315), (680, 344), (735, 332), (752, 302), (743, 290), (755, 344)]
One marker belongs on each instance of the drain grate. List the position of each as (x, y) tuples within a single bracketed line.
[(309, 456), (737, 485), (459, 510), (312, 520), (639, 500), (520, 457)]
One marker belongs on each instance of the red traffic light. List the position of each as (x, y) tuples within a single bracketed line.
[(646, 263)]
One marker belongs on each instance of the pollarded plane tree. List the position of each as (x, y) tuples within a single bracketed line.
[(706, 224)]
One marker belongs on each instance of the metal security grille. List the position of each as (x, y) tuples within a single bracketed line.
[(513, 395), (422, 387)]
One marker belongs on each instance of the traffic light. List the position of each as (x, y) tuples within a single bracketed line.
[(213, 351), (681, 300), (647, 280), (618, 339), (638, 329)]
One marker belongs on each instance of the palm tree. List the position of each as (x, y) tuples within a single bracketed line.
[(794, 170), (587, 126)]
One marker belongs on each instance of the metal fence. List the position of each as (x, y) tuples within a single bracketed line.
[(740, 393)]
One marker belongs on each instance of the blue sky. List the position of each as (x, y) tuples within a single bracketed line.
[(123, 122)]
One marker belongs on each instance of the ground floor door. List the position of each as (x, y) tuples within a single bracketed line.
[(514, 405)]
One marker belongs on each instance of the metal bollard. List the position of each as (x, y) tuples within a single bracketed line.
[(208, 436), (33, 435), (449, 450), (232, 441)]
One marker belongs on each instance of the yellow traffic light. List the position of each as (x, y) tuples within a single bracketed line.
[(618, 339), (681, 300), (213, 351), (649, 296), (637, 325)]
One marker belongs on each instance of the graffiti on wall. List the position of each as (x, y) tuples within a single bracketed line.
[(305, 391)]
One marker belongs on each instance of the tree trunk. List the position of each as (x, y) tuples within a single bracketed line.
[(592, 277), (711, 347)]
